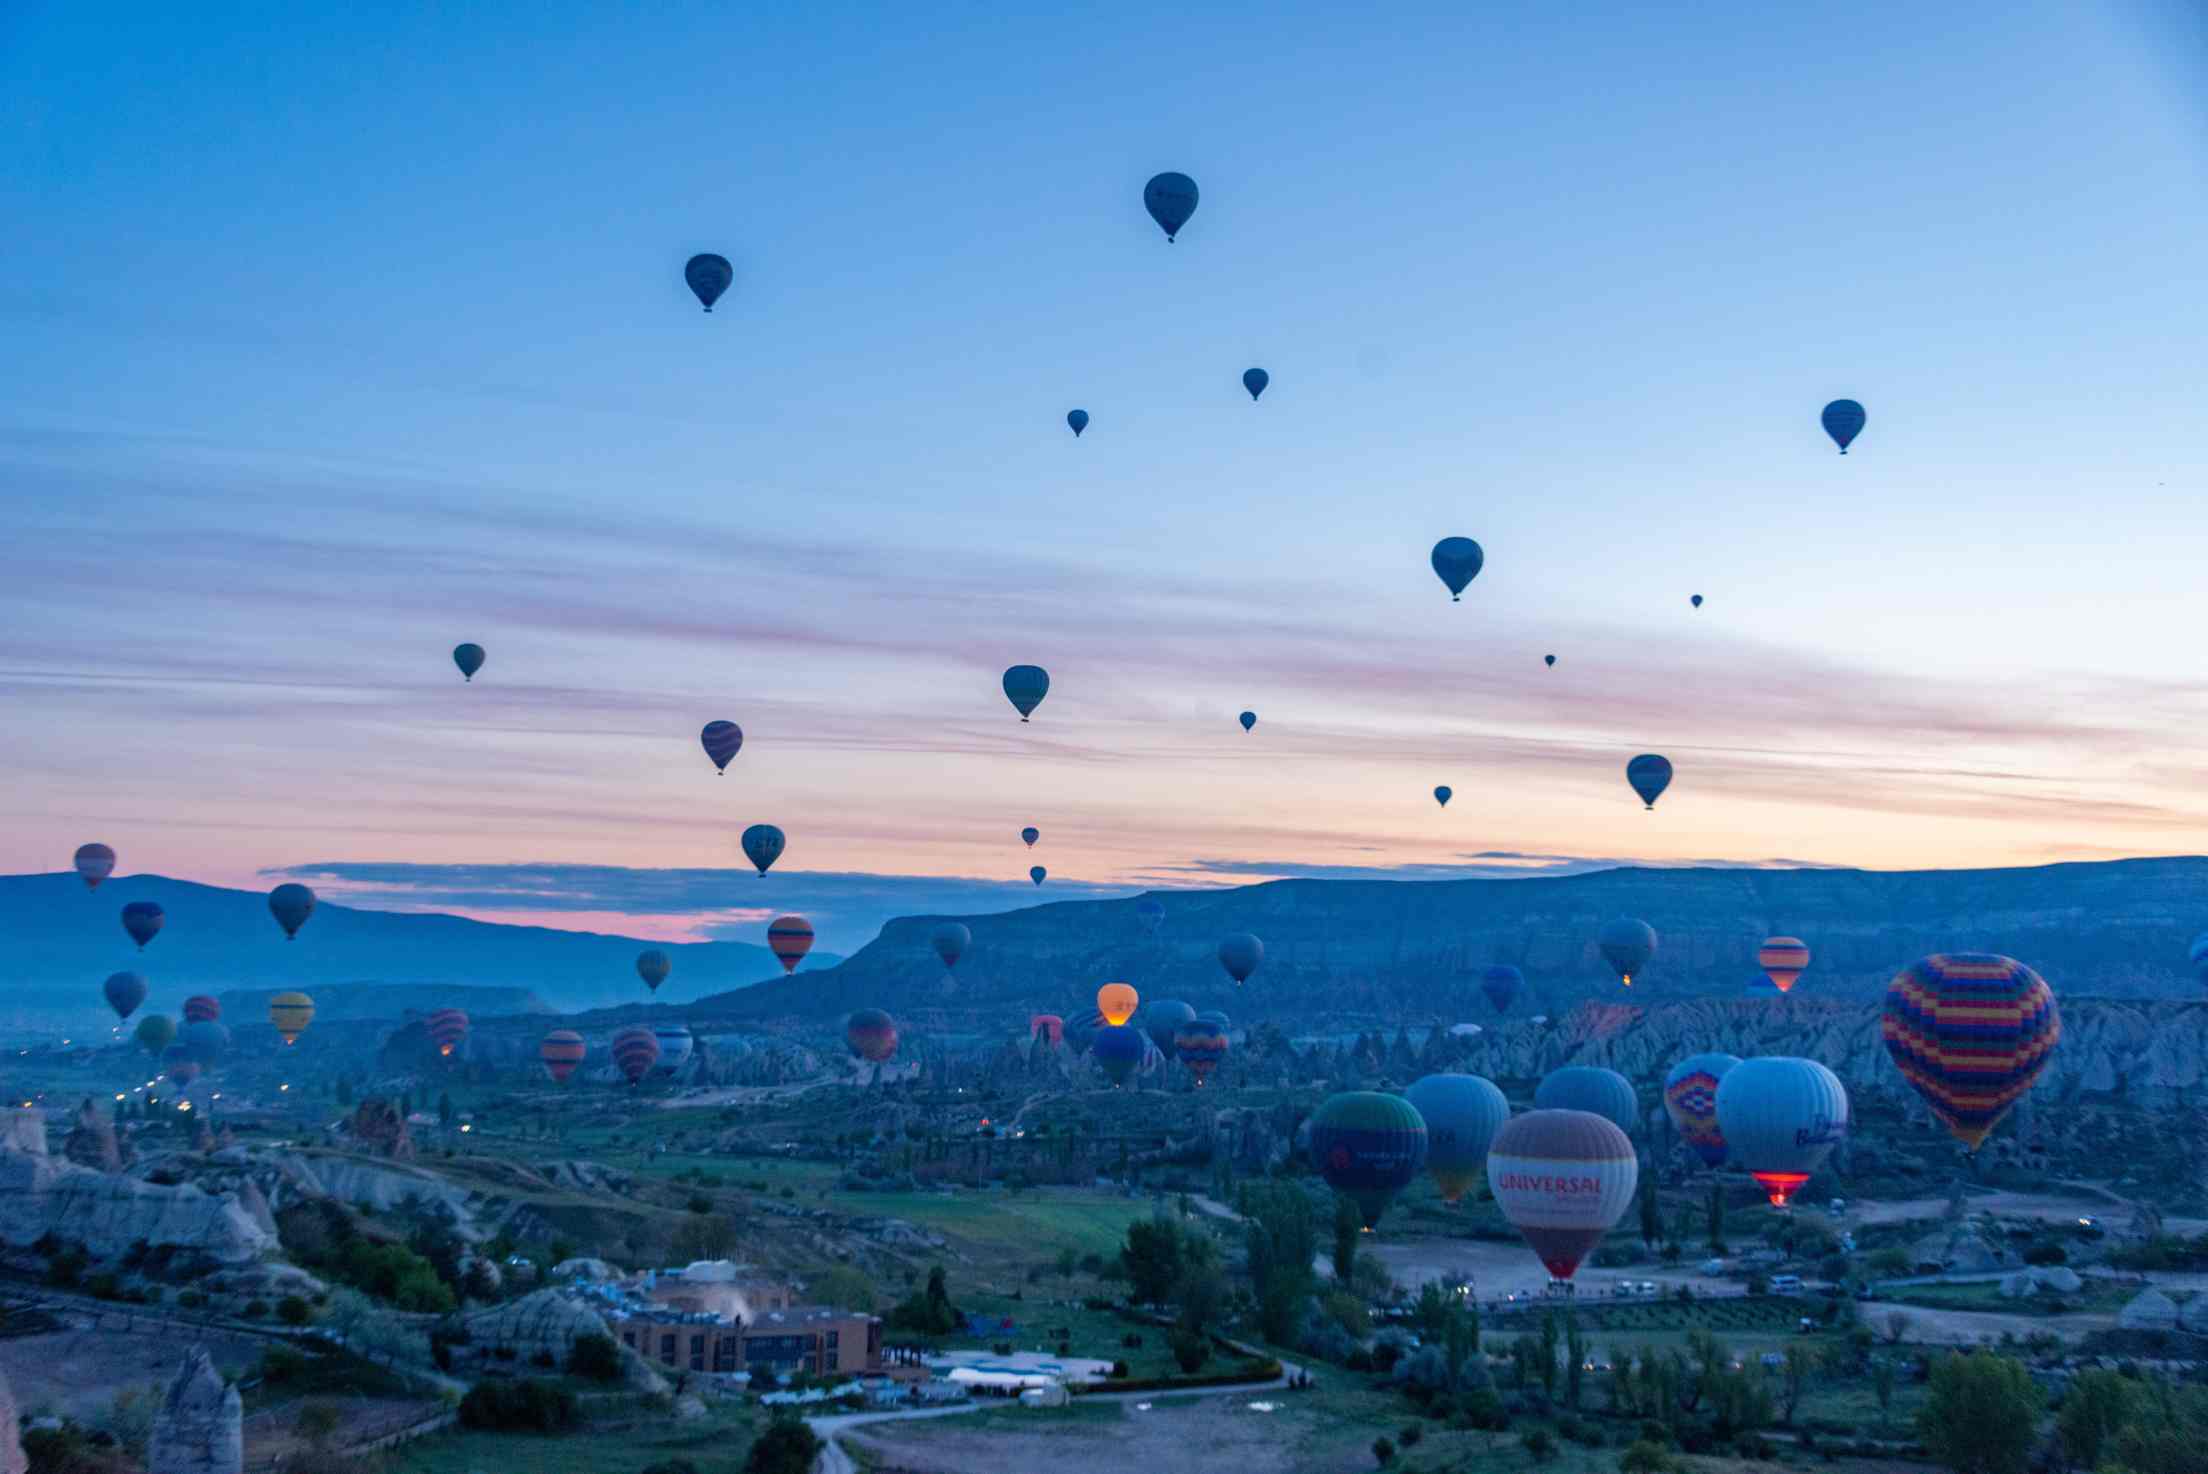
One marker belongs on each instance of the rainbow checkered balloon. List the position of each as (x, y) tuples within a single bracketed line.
[(1970, 1031)]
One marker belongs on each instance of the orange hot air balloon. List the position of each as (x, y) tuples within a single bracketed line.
[(561, 1050), (1783, 958), (447, 1027), (1117, 1002)]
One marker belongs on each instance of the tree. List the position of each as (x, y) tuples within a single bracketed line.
[(1652, 1221), (845, 1288), (1575, 1352), (594, 1358), (1979, 1414), (444, 1111), (1898, 1323), (1348, 1224), (1068, 1262), (1547, 1369), (1882, 1386), (787, 1446), (929, 1312), (1190, 1347), (1152, 1258), (1717, 1219), (2097, 1405), (1795, 1379)]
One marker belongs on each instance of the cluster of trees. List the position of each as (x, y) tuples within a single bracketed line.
[(2120, 1424), (1176, 1267), (927, 1312), (525, 1405)]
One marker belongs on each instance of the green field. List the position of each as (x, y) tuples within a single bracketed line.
[(2097, 1295), (714, 1441)]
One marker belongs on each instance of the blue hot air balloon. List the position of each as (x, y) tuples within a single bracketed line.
[(708, 276), (721, 741), (1605, 1093), (1462, 1114), (1119, 1050), (1650, 775), (763, 845), (1240, 953), (1695, 600), (125, 991), (469, 658), (1025, 686), (1030, 834), (1248, 720), (291, 904), (1548, 660), (950, 941), (1171, 199), (1843, 422), (1501, 984), (142, 919), (1627, 944), (1443, 794), (1457, 561), (1037, 874), (1781, 1118), (1162, 1018), (1079, 420), (1255, 381)]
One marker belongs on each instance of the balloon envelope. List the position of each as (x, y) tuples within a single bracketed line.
[(1690, 1099), (1118, 1050), (1368, 1146), (653, 966), (1079, 420), (1695, 600), (1457, 561), (1782, 959), (1240, 954), (469, 658), (1843, 420), (154, 1033), (291, 904), (1590, 1088), (1563, 1179), (95, 862), (1781, 1118), (675, 1043), (124, 992), (180, 1064), (201, 1008), (207, 1039), (1627, 944), (708, 276), (1970, 1032), (561, 1051), (789, 938), (721, 741), (1162, 1019), (1462, 1114), (1255, 381), (1248, 720), (1443, 794), (763, 844), (1200, 1044), (1117, 1002), (290, 1013), (1037, 874), (950, 940), (1048, 1027), (635, 1051), (1029, 835), (1025, 686), (1171, 199), (1501, 984), (1650, 775), (446, 1028), (1549, 659), (142, 919)]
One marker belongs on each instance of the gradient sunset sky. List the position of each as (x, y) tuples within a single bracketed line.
[(336, 336)]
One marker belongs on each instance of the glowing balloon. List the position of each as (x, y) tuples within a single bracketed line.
[(1970, 1032), (1601, 1092), (291, 904), (1563, 1179), (446, 1028), (708, 276), (871, 1035), (124, 992), (721, 741), (1079, 420), (653, 966), (635, 1050), (561, 1051), (950, 941), (1690, 1099), (1117, 1002), (290, 1013), (1843, 420), (763, 845), (789, 938), (1462, 1114), (1457, 561), (1240, 953), (1627, 945), (95, 862), (469, 658), (1650, 775), (1025, 686), (1783, 958), (1781, 1118), (1368, 1146), (142, 919), (1171, 199)]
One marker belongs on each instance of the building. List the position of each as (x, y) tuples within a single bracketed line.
[(812, 1339)]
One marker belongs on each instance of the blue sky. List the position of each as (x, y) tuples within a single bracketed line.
[(338, 336)]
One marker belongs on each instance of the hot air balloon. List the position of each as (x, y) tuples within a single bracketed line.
[(1443, 794), (446, 1028), (1081, 1029), (1604, 1093), (1171, 199), (709, 276), (125, 991), (1970, 1031), (1200, 1044), (1118, 1050), (721, 741), (1255, 381), (1117, 1002), (180, 1065), (142, 919), (1240, 953), (561, 1051), (1037, 874), (1690, 1099), (1783, 958), (1650, 775), (1215, 1016), (1368, 1147), (1695, 600), (1162, 1019), (1029, 835), (871, 1035), (199, 1008), (1025, 686), (1079, 420), (1248, 720), (1781, 1118), (789, 938), (1048, 1027), (635, 1051), (763, 846), (290, 1013), (207, 1040), (1462, 1114), (1548, 660), (1627, 945), (675, 1043), (2199, 956), (154, 1033), (1501, 984), (1563, 1179), (1150, 911), (1843, 420), (950, 941), (1457, 561), (469, 658), (291, 904), (653, 966), (95, 862)]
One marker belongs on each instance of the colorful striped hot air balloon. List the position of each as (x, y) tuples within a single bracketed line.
[(790, 938), (1690, 1099), (635, 1051), (1970, 1031), (1117, 1002), (1604, 1093), (1781, 1118), (561, 1051), (1200, 1044), (446, 1028), (95, 862), (1048, 1027), (200, 1008), (1368, 1146), (1783, 958), (1563, 1179), (290, 1013), (1118, 1050), (653, 966), (1462, 1114), (180, 1064), (871, 1035)]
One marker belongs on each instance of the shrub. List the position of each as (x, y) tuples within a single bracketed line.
[(531, 1405), (294, 1311), (787, 1446), (1383, 1452), (255, 1309), (1410, 1436), (1119, 1369), (1191, 1348), (1644, 1456), (1539, 1446), (594, 1358)]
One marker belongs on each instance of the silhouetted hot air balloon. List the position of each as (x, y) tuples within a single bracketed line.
[(763, 845), (1462, 1114), (95, 862), (1781, 1118), (1457, 561), (790, 938), (1255, 381), (155, 1032), (1368, 1146), (1562, 1179), (1150, 911), (1117, 1002), (949, 941), (675, 1043), (446, 1028), (1079, 420), (1843, 420), (1605, 1093), (1171, 199), (1248, 720), (653, 966), (1650, 775), (290, 1013), (1200, 1044), (721, 741), (1970, 1032), (1118, 1050), (561, 1051), (1627, 944), (1690, 1099), (1025, 686), (709, 276), (1240, 954), (208, 1041), (124, 992), (1548, 659), (1443, 794), (1501, 984), (1048, 1027), (871, 1035), (1783, 958), (180, 1065), (142, 919), (635, 1051), (291, 904), (469, 658), (1162, 1019), (201, 1008), (1029, 835), (1037, 874)]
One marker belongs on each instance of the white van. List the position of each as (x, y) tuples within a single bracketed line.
[(1786, 1284)]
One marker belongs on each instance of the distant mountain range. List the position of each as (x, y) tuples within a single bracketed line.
[(58, 941), (1386, 951)]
